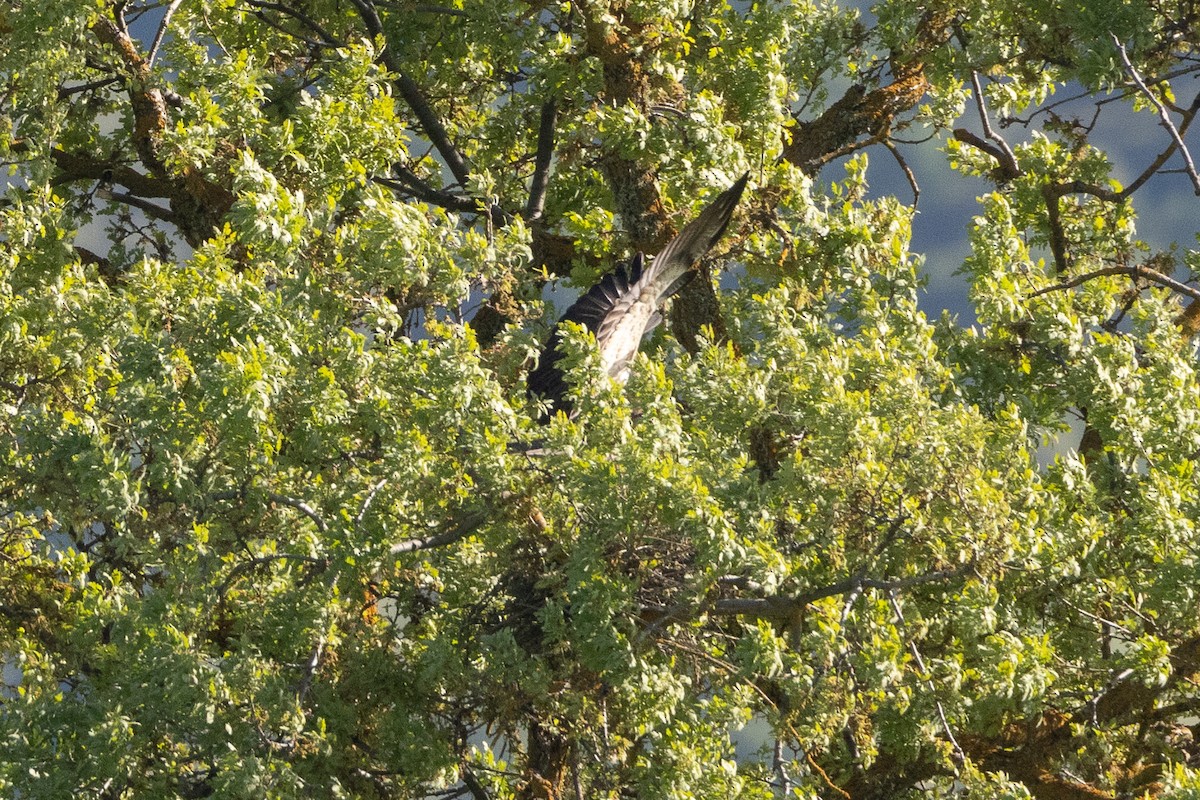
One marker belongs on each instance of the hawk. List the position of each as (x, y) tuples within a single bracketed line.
[(625, 304)]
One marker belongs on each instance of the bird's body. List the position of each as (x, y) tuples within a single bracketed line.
[(624, 305)]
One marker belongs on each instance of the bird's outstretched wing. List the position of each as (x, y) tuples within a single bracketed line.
[(597, 303), (624, 304), (589, 310)]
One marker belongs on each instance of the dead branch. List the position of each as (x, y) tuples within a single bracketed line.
[(908, 173), (1163, 115)]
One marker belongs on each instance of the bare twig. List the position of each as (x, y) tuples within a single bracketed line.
[(848, 604), (279, 26), (162, 30), (310, 669), (1108, 623), (908, 173), (779, 765), (1049, 108), (1163, 115), (1007, 160), (1188, 117), (1134, 272), (367, 501)]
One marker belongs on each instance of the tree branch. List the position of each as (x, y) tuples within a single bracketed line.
[(1127, 692), (431, 124), (783, 608), (1007, 158), (1164, 117), (197, 203), (367, 501), (461, 530), (310, 669), (258, 561), (959, 756), (1188, 117), (149, 108), (76, 166), (1134, 272), (1058, 236), (327, 38), (860, 111), (908, 173), (477, 789), (145, 206), (67, 91), (162, 30), (1008, 169), (1026, 749), (301, 506), (545, 154), (409, 182)]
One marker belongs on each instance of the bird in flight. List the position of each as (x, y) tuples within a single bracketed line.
[(625, 304)]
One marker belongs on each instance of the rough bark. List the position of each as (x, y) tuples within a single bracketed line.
[(197, 204)]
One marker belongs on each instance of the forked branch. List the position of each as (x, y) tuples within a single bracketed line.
[(1164, 117)]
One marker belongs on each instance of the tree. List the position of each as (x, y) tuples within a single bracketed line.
[(279, 519)]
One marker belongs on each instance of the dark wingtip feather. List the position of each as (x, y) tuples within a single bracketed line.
[(594, 304), (696, 239), (670, 269), (721, 210)]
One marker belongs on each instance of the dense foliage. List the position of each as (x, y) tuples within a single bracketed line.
[(280, 521)]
